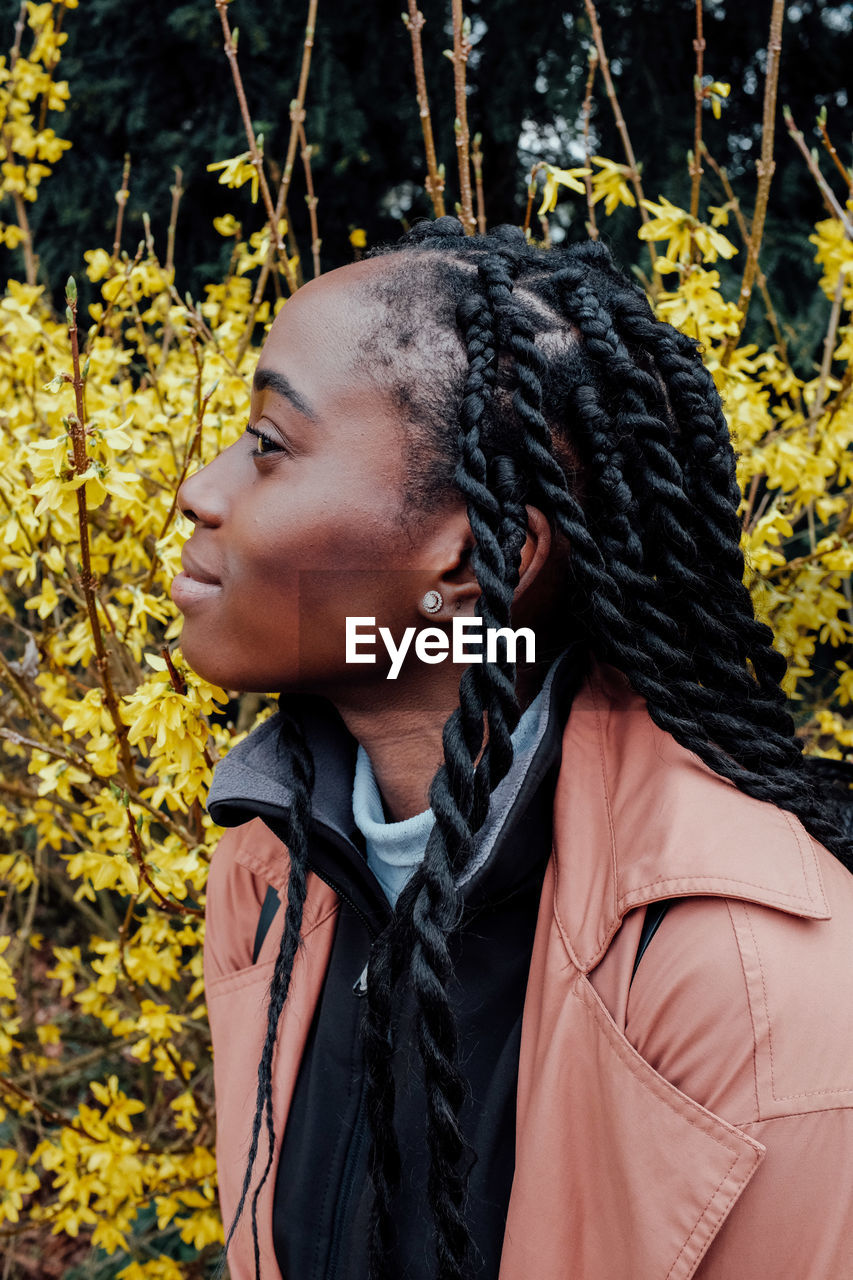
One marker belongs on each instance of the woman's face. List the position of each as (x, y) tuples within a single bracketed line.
[(300, 523)]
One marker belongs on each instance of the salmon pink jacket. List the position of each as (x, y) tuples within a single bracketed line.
[(696, 1122)]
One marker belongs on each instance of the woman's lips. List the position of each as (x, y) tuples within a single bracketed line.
[(187, 591)]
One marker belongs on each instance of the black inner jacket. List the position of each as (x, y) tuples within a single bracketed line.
[(323, 1193)]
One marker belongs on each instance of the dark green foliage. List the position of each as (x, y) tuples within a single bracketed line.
[(153, 80)]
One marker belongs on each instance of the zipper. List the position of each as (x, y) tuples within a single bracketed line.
[(332, 837), (344, 897), (348, 1181), (353, 1163)]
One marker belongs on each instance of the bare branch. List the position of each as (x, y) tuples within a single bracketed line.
[(461, 50), (434, 181)]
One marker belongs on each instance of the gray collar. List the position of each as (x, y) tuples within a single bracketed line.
[(253, 780)]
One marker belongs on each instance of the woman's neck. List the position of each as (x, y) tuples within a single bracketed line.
[(402, 734)]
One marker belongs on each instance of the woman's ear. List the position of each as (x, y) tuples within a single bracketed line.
[(535, 552), (454, 581), (456, 584)]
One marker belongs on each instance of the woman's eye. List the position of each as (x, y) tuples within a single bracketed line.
[(265, 444)]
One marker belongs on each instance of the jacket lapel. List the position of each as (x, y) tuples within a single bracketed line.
[(638, 818), (237, 1008), (618, 1173)]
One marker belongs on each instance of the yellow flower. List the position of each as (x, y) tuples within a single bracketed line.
[(15, 1183), (610, 185), (683, 232), (237, 171), (46, 601), (697, 306), (556, 178), (227, 225), (717, 91)]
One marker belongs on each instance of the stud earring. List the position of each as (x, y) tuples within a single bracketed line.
[(432, 602)]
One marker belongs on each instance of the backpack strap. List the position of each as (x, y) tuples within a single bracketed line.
[(655, 913), (270, 906)]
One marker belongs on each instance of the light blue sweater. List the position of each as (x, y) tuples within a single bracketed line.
[(394, 849)]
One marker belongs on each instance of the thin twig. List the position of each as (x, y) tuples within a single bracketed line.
[(80, 762), (699, 97), (194, 447), (20, 25), (847, 174), (477, 160), (828, 350), (592, 224), (54, 63), (179, 684), (434, 181), (531, 193), (823, 382), (30, 259), (765, 167), (297, 106), (825, 189), (310, 199), (121, 200), (52, 1117), (770, 310), (461, 50), (254, 151), (32, 710), (178, 908), (633, 170), (77, 432), (20, 792), (176, 191)]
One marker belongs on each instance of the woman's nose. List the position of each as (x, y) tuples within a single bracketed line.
[(200, 497)]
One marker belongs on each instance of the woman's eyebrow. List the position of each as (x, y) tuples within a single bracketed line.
[(282, 386)]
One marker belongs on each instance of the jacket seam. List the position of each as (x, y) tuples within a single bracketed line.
[(777, 1097), (805, 899), (625, 1053), (796, 828), (749, 1007), (798, 1115), (622, 1052), (713, 1224), (614, 861), (238, 977)]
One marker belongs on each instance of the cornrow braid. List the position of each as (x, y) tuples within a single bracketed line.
[(292, 742)]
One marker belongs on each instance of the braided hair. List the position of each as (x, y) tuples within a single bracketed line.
[(575, 399)]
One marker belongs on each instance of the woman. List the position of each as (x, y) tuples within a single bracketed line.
[(477, 1057)]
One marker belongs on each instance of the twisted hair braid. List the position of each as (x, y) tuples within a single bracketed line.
[(429, 910), (711, 483), (292, 741), (671, 550)]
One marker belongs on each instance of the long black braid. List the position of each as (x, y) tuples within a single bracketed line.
[(575, 399), (294, 747), (430, 906)]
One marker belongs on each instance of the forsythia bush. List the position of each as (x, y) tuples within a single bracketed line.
[(107, 740)]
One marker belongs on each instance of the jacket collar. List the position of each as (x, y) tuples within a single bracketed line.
[(254, 780), (639, 818)]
